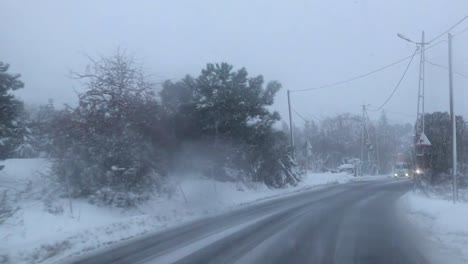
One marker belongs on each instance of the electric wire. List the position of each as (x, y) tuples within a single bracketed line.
[(389, 65), (300, 116), (398, 84), (448, 30), (446, 68), (365, 74), (460, 32)]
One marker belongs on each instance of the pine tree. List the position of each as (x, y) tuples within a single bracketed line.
[(228, 111), (438, 130), (10, 108), (386, 144)]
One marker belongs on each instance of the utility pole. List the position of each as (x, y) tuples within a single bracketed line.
[(420, 126), (461, 167), (420, 110), (422, 78), (372, 149), (307, 156), (291, 126), (362, 132), (453, 119), (420, 122), (464, 141), (377, 151)]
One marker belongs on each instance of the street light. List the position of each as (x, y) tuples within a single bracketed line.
[(405, 38), (409, 40)]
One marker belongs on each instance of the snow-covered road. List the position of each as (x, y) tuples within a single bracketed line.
[(43, 229), (357, 222)]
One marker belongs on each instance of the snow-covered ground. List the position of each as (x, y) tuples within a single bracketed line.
[(443, 222), (44, 229)]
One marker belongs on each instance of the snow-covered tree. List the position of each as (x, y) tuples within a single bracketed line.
[(108, 142), (10, 108), (228, 111), (40, 125), (392, 139), (339, 137), (26, 141), (438, 130)]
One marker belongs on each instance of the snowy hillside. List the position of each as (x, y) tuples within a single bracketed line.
[(46, 227)]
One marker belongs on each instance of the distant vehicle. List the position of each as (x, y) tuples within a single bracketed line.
[(402, 170), (349, 168), (351, 165)]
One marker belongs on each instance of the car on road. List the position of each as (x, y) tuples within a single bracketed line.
[(402, 170)]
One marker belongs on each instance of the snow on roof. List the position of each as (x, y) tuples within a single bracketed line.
[(346, 166)]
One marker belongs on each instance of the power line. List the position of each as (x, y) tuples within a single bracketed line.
[(353, 78), (389, 65), (398, 84), (460, 32), (448, 30), (446, 68), (301, 117), (365, 74)]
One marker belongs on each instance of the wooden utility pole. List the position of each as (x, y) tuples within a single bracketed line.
[(362, 131), (291, 126), (307, 156), (453, 119)]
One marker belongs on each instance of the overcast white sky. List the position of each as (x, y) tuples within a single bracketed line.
[(301, 43)]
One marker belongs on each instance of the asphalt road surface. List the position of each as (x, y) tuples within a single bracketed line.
[(351, 223)]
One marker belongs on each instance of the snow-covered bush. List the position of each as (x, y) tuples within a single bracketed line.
[(274, 164), (7, 207), (4, 259), (53, 207), (47, 251), (108, 144), (109, 197), (51, 201), (26, 151)]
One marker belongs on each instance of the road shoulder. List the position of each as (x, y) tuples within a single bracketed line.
[(442, 227)]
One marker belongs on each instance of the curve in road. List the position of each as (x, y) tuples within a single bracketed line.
[(350, 223)]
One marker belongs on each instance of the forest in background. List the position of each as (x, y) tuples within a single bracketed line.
[(125, 138)]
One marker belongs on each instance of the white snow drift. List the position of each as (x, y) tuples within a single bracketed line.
[(445, 223)]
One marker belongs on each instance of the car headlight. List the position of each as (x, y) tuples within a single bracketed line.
[(406, 174), (418, 171), (396, 175)]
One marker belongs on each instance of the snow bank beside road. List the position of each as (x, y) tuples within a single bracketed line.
[(446, 223), (44, 230)]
